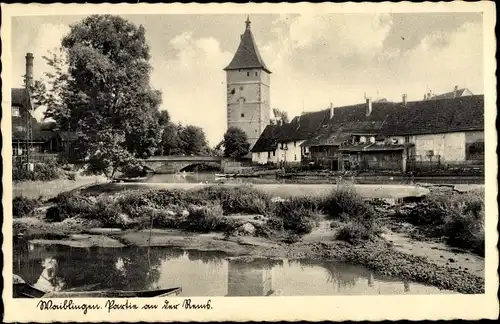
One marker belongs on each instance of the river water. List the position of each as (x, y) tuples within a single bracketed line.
[(211, 177), (56, 267)]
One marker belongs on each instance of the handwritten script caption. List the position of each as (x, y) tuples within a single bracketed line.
[(113, 305)]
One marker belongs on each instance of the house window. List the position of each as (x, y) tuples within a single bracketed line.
[(295, 157), (256, 73), (294, 144), (274, 153), (407, 139), (248, 73), (15, 112), (475, 151), (241, 88), (268, 155), (242, 115)]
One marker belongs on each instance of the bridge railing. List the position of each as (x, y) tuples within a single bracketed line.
[(185, 158)]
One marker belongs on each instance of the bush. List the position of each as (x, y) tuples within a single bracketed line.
[(206, 218), (298, 214), (347, 201), (354, 231), (70, 205), (235, 200), (42, 171), (23, 206), (458, 217)]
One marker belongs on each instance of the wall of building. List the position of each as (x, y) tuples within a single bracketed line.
[(450, 146), (265, 157), (248, 101), (292, 154)]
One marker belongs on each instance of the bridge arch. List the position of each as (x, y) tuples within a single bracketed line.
[(173, 164)]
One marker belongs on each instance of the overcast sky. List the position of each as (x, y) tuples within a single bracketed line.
[(315, 60)]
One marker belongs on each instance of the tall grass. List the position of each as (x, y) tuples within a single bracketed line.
[(457, 217)]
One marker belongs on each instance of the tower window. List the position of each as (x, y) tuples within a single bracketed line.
[(242, 115), (248, 73)]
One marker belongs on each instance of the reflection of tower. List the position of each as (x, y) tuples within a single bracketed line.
[(407, 286), (247, 280), (370, 280)]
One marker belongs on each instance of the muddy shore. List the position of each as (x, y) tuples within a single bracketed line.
[(394, 253)]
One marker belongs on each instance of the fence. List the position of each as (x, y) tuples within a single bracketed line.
[(420, 163), (35, 157), (324, 162)]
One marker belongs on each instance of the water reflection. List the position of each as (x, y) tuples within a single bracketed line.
[(211, 177), (198, 273)]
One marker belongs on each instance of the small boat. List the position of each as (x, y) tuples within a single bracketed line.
[(115, 293), (25, 290)]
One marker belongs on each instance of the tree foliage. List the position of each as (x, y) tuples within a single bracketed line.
[(279, 116), (100, 89), (192, 140), (235, 143)]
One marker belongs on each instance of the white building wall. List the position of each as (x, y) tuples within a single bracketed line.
[(450, 146), (292, 154), (265, 157)]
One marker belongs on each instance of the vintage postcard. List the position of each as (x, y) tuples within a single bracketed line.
[(256, 162)]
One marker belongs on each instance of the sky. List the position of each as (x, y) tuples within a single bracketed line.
[(315, 59)]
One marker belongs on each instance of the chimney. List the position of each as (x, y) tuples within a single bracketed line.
[(404, 98), (332, 110), (29, 71), (455, 91), (368, 106)]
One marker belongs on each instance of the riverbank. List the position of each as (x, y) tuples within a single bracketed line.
[(50, 189), (243, 221)]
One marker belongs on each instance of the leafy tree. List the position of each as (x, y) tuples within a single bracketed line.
[(192, 140), (170, 140), (235, 143), (163, 117), (279, 116), (100, 89)]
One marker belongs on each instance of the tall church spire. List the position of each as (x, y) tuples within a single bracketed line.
[(248, 22), (247, 55)]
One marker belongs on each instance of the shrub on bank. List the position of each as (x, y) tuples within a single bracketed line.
[(458, 217), (42, 171), (206, 218), (346, 200), (70, 205), (234, 200), (297, 214), (23, 206)]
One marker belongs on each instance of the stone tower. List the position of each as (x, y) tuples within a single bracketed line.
[(248, 95)]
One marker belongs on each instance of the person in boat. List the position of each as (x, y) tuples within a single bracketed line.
[(48, 280)]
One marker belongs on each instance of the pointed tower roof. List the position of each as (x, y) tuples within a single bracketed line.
[(247, 56)]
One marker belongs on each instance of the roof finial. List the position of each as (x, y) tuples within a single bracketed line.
[(248, 22)]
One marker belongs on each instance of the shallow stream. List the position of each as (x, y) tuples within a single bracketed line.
[(56, 267)]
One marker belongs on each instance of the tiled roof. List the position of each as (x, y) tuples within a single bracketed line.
[(303, 127), (389, 119), (267, 141), (247, 55), (437, 116), (452, 94)]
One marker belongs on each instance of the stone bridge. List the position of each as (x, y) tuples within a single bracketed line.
[(177, 163)]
